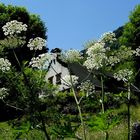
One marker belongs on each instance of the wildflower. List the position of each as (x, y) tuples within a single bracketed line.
[(96, 49), (95, 62), (69, 80), (112, 60), (124, 53), (137, 51), (124, 75), (87, 87), (4, 65), (41, 61), (108, 37), (14, 27), (71, 56), (3, 93), (37, 43), (96, 56)]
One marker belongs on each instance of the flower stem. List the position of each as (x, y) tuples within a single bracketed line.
[(80, 113), (32, 99), (102, 91), (106, 135), (128, 111), (79, 108)]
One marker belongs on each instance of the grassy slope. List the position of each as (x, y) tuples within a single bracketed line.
[(119, 132)]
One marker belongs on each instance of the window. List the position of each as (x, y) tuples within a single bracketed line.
[(58, 79), (50, 80), (54, 61)]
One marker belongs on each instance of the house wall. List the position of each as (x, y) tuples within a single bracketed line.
[(57, 68)]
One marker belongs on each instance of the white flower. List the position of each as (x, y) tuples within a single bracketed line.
[(137, 52), (41, 61), (108, 37), (95, 62), (96, 49), (117, 56), (14, 27), (96, 56), (3, 93), (124, 75), (112, 60), (124, 53), (71, 56), (37, 43), (87, 87), (100, 101), (69, 80), (4, 65)]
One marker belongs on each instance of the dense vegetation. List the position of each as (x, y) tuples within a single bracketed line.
[(36, 28), (34, 109)]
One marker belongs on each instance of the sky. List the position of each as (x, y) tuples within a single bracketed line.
[(71, 23)]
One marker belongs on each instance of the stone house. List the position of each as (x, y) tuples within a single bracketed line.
[(58, 69)]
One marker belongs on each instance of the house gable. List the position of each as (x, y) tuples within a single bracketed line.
[(56, 71)]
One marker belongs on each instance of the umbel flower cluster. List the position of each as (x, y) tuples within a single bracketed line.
[(41, 61), (112, 60), (87, 87), (124, 75), (108, 37), (69, 80), (123, 53), (4, 65), (37, 43), (3, 93), (71, 56), (14, 27), (96, 56), (137, 52)]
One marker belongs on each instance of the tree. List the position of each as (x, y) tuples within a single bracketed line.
[(131, 37), (131, 31)]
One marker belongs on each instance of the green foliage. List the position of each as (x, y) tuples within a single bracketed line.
[(20, 128), (36, 27), (5, 131), (9, 133), (65, 128), (131, 32), (130, 36), (91, 103), (104, 121)]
